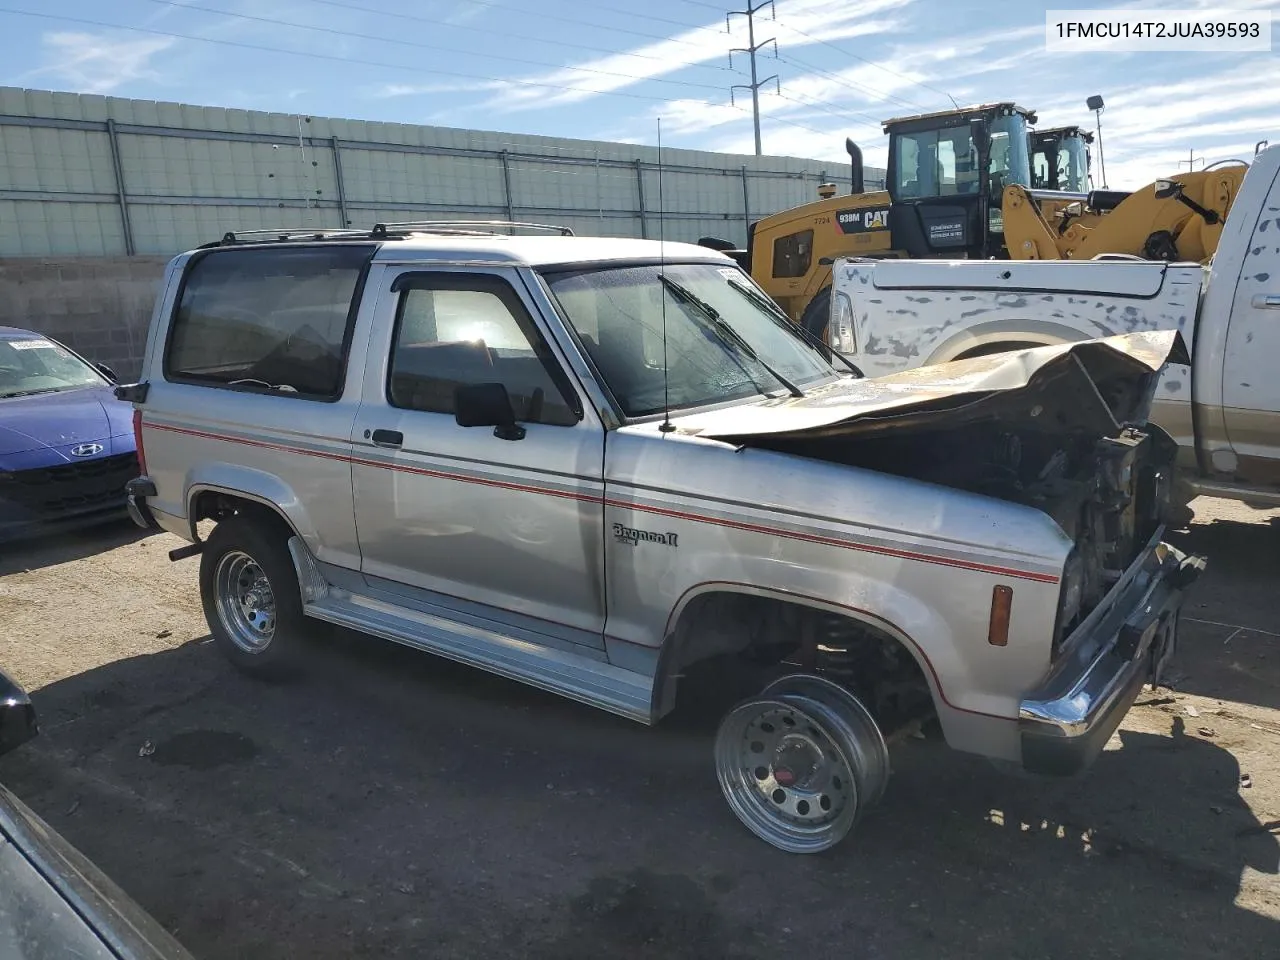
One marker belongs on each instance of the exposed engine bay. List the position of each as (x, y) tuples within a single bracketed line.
[(1068, 437)]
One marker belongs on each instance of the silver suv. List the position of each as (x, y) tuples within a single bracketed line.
[(589, 464)]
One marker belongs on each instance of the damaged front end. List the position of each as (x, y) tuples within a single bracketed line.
[(1063, 429)]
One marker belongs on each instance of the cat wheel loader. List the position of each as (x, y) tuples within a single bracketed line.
[(1175, 219), (946, 179)]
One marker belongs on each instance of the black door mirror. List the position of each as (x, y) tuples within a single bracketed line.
[(487, 405), (107, 372), (17, 716), (1167, 188)]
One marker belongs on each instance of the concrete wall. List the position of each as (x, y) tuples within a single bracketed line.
[(98, 306)]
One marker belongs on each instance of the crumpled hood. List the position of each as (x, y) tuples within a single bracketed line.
[(1092, 386), (57, 421)]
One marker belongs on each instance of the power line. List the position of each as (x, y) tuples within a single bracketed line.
[(423, 46), (878, 66), (592, 48), (333, 58), (843, 81)]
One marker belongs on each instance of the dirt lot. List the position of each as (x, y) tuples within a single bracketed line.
[(393, 804)]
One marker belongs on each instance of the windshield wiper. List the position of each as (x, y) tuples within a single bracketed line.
[(794, 329), (726, 330), (29, 393)]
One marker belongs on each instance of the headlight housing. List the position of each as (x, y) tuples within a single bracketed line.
[(1070, 598), (840, 329)]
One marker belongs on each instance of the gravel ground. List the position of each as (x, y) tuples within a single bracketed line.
[(397, 805)]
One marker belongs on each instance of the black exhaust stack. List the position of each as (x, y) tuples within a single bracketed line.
[(855, 156)]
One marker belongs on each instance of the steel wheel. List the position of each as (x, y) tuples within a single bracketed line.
[(871, 753), (788, 768), (246, 603)]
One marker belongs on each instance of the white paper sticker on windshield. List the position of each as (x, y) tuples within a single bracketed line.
[(729, 273), (32, 345)]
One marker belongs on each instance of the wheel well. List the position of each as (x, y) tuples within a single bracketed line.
[(217, 506), (987, 349), (770, 633)]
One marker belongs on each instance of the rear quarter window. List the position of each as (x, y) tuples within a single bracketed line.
[(277, 320)]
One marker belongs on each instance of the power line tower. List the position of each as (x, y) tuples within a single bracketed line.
[(1191, 160), (750, 49)]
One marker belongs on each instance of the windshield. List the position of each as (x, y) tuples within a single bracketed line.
[(41, 366), (1061, 163), (944, 162), (721, 344)]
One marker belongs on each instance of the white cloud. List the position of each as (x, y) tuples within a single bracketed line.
[(101, 62), (697, 45)]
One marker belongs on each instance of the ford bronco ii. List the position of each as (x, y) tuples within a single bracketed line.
[(588, 464)]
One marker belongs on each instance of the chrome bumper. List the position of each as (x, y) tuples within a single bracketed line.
[(1065, 724)]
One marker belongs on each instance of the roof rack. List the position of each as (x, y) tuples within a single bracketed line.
[(382, 231), (470, 227), (283, 234)]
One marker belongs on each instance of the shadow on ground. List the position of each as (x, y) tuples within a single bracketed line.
[(394, 804), (1231, 647), (34, 553)]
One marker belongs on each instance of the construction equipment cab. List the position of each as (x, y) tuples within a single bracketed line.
[(1060, 159)]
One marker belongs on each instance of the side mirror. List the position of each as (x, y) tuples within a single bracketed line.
[(107, 372), (487, 405), (17, 716), (1167, 188)]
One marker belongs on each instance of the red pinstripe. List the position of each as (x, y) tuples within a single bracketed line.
[(626, 505)]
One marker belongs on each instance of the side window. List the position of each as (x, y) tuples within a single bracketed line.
[(460, 329), (792, 254), (267, 319)]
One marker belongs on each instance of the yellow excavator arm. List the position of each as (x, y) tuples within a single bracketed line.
[(1176, 219)]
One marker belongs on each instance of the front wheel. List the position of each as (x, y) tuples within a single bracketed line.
[(251, 599), (800, 764)]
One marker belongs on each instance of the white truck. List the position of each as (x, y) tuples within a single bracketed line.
[(1223, 408)]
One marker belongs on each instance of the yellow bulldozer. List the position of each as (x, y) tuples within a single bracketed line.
[(978, 182)]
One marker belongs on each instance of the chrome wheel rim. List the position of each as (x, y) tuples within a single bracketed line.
[(863, 736), (245, 601), (787, 772)]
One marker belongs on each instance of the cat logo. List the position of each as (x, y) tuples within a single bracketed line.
[(860, 221)]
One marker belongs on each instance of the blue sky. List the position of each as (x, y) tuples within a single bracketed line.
[(609, 70)]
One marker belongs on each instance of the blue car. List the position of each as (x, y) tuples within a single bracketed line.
[(67, 445)]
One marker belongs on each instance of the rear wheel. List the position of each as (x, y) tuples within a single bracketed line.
[(251, 599), (801, 763)]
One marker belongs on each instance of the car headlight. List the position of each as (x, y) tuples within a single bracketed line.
[(840, 329), (1070, 598)]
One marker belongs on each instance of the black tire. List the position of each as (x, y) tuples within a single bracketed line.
[(254, 545), (990, 349), (817, 315)]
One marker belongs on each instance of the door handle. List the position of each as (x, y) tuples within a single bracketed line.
[(388, 438), (1267, 301)]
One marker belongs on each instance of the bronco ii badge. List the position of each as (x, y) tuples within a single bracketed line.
[(632, 536)]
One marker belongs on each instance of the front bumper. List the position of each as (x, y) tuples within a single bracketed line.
[(1065, 724)]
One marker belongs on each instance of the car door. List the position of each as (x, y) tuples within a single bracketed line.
[(504, 525), (1250, 391)]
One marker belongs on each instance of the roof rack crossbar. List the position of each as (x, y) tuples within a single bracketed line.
[(287, 233), (468, 226)]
